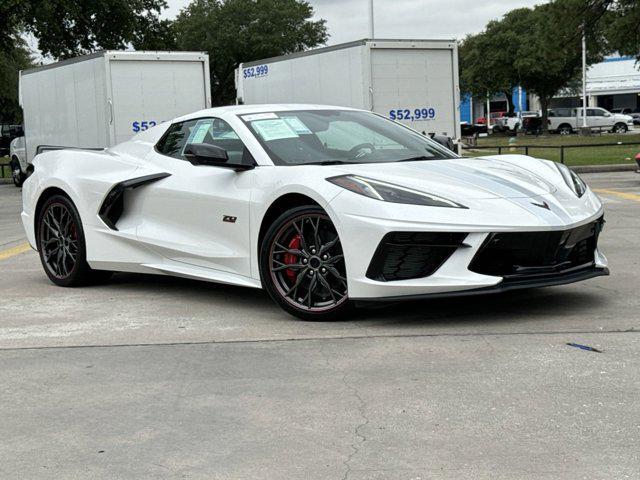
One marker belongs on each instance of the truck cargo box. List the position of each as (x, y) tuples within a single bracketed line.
[(102, 99), (412, 81)]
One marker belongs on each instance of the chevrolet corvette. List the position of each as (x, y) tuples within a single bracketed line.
[(323, 207)]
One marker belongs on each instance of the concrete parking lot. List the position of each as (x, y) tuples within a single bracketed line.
[(156, 377)]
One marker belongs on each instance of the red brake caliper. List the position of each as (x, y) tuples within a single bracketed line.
[(290, 258)]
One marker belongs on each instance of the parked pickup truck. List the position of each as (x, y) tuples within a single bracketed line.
[(567, 120)]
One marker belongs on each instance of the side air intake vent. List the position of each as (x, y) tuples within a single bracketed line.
[(406, 255), (113, 205)]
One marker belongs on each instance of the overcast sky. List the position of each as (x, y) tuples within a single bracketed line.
[(347, 19)]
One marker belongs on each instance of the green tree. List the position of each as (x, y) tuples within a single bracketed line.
[(12, 60), (66, 28), (156, 34), (487, 59), (539, 49), (476, 76), (549, 56), (622, 26), (235, 31)]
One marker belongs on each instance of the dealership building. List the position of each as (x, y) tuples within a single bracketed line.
[(611, 84)]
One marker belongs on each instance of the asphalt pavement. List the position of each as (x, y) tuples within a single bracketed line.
[(164, 378)]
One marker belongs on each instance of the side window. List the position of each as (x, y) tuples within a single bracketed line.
[(212, 131), (563, 112), (174, 140), (594, 112)]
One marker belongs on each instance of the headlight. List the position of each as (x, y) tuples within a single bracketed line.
[(571, 178), (387, 192)]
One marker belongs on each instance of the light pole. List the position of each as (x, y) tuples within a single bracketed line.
[(371, 21), (488, 117), (520, 99), (584, 75)]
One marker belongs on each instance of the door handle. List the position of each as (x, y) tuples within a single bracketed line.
[(110, 111)]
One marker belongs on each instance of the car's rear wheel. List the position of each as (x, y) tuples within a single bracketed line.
[(302, 265), (620, 128), (61, 244), (16, 173)]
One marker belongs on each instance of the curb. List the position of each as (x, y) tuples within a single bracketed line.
[(623, 167)]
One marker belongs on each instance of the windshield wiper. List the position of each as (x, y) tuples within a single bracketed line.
[(329, 162), (415, 159)]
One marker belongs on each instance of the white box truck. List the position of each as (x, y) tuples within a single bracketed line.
[(412, 81), (102, 99)]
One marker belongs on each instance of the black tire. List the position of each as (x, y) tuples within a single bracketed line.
[(620, 128), (16, 173), (307, 280), (61, 245), (565, 129)]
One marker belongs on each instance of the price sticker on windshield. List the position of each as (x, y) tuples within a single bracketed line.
[(276, 129)]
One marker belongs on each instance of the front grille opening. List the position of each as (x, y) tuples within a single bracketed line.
[(407, 255), (518, 254)]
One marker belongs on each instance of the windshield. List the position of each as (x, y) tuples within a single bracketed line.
[(339, 136)]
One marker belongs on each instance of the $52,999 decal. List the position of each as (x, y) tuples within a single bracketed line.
[(414, 115)]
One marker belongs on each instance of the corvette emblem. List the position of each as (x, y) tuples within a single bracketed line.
[(541, 205)]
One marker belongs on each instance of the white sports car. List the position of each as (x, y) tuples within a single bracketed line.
[(321, 206)]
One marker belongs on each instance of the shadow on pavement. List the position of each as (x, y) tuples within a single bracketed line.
[(505, 307)]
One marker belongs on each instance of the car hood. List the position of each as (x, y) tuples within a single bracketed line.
[(458, 179)]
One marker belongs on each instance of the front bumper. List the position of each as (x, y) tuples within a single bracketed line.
[(508, 285), (363, 233)]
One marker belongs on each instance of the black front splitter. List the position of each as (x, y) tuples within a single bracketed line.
[(504, 286)]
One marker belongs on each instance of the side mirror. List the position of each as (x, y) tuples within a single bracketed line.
[(205, 154), (211, 155)]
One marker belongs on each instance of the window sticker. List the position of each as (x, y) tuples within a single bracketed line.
[(296, 124), (259, 116), (200, 130), (276, 129)]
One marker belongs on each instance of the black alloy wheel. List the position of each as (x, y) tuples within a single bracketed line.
[(61, 244), (302, 265)]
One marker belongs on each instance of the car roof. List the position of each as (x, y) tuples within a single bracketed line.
[(263, 108)]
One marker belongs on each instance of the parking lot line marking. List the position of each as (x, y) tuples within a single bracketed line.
[(12, 252), (628, 196)]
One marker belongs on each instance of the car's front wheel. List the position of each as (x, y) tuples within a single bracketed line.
[(302, 265), (61, 244)]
